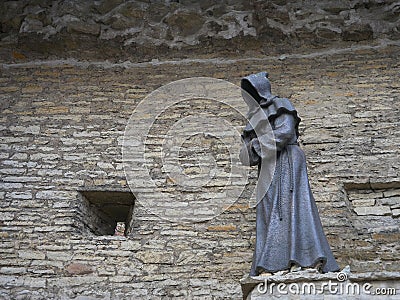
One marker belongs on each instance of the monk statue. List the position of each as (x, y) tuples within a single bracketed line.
[(289, 233)]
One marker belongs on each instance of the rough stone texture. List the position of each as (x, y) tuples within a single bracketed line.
[(77, 268), (144, 29), (62, 126)]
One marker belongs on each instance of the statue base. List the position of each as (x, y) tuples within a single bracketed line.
[(314, 285)]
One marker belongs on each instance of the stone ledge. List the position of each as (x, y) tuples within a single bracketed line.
[(91, 28), (375, 279)]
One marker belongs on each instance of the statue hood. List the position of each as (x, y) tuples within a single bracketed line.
[(259, 87)]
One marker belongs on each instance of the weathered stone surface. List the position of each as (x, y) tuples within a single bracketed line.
[(347, 99), (130, 245), (32, 89), (31, 282), (86, 280), (155, 257), (396, 212), (12, 270), (79, 269), (390, 201), (372, 210), (52, 195), (6, 216), (184, 23), (358, 32), (364, 202), (11, 281), (58, 255), (31, 25), (229, 227), (392, 193), (29, 254), (105, 6), (105, 27), (83, 27)]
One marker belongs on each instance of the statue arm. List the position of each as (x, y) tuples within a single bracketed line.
[(250, 152), (284, 130)]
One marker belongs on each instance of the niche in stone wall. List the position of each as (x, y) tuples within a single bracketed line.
[(106, 212)]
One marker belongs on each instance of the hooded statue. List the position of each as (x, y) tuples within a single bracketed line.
[(288, 228)]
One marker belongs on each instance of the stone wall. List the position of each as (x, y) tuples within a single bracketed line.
[(62, 128), (138, 30)]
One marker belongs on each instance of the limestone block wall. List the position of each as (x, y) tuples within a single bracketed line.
[(62, 128)]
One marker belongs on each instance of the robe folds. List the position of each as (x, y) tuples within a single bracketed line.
[(288, 226)]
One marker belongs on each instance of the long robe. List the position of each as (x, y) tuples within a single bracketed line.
[(288, 227)]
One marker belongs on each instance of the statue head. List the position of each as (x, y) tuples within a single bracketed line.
[(258, 86)]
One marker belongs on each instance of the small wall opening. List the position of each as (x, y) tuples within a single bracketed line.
[(107, 212)]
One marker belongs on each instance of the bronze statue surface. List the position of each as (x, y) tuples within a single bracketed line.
[(288, 228)]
